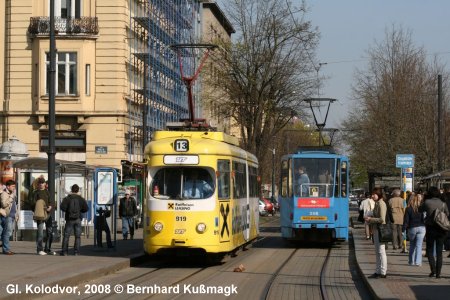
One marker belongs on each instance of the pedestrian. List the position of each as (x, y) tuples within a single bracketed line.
[(8, 198), (367, 206), (102, 225), (413, 223), (43, 217), (379, 217), (13, 216), (446, 199), (435, 236), (127, 212), (398, 213), (73, 206)]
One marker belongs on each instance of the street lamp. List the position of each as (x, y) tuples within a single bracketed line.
[(273, 176)]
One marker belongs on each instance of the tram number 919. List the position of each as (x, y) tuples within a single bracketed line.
[(180, 218)]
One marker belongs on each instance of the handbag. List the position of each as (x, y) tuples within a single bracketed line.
[(440, 219), (385, 232), (361, 216)]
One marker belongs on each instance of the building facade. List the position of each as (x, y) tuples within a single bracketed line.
[(117, 77)]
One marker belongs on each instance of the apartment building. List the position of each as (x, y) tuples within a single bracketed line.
[(116, 78)]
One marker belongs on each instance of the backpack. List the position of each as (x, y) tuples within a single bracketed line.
[(439, 219), (74, 209)]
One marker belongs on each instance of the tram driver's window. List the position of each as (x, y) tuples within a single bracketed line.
[(166, 184), (197, 183)]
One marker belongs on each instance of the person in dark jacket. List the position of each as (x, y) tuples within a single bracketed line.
[(434, 233), (42, 193), (127, 212), (73, 205), (413, 222), (102, 225)]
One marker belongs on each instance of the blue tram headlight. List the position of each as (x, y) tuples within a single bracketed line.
[(158, 226), (201, 227)]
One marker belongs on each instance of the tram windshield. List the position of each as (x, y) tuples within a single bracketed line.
[(182, 183), (314, 177)]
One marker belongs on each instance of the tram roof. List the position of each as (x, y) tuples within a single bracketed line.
[(208, 135), (207, 142), (40, 163)]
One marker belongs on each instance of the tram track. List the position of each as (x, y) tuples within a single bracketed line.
[(311, 280)]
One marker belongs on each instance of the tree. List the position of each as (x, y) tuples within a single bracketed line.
[(396, 106), (266, 72)]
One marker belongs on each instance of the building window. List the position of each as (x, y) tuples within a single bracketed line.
[(66, 73), (67, 8), (88, 80)]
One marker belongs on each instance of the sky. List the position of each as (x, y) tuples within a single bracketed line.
[(349, 28)]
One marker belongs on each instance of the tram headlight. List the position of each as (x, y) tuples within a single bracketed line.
[(201, 227), (158, 226)]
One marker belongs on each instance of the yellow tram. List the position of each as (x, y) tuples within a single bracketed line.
[(202, 194)]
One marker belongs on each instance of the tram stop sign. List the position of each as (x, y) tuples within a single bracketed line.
[(404, 161)]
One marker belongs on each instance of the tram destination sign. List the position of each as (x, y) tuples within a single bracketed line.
[(404, 161), (181, 159)]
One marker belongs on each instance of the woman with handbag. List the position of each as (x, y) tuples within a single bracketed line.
[(378, 218)]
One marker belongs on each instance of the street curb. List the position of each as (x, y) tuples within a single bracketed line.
[(359, 270)]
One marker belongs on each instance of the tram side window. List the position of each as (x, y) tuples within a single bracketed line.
[(285, 178), (239, 180), (253, 181), (344, 179), (223, 180), (338, 180)]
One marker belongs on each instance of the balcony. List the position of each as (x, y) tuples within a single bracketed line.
[(84, 26)]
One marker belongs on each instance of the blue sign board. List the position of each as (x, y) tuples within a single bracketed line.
[(404, 161)]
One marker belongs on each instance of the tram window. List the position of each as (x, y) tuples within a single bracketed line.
[(223, 179), (344, 179), (182, 183), (197, 184), (253, 181), (284, 178), (312, 177), (338, 180), (239, 180)]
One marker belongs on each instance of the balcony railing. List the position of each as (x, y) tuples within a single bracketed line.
[(64, 26)]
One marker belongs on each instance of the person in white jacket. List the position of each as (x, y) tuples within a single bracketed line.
[(367, 206)]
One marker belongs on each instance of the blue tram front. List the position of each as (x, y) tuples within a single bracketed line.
[(314, 196)]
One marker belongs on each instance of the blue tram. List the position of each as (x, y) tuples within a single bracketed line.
[(314, 204)]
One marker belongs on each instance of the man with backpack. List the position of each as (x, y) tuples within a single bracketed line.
[(73, 205), (435, 236)]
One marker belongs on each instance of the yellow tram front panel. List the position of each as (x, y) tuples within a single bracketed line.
[(213, 222)]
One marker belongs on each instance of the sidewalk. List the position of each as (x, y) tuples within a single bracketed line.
[(26, 267), (403, 281)]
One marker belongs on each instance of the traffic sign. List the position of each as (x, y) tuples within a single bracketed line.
[(405, 161)]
